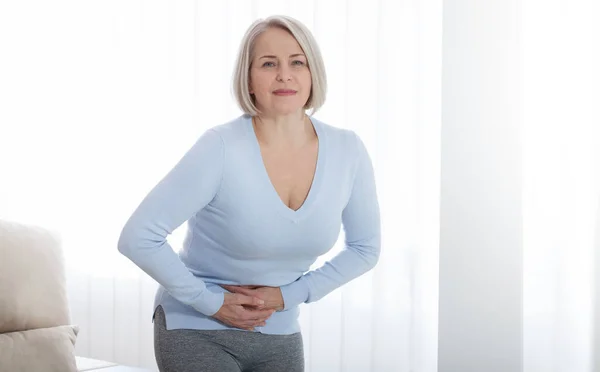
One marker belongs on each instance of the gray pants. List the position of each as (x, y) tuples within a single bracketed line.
[(188, 350)]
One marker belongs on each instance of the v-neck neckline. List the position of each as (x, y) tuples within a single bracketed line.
[(274, 198)]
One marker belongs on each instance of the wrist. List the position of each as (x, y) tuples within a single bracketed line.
[(295, 293), (210, 303)]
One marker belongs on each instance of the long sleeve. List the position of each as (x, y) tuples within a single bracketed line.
[(361, 223), (186, 189)]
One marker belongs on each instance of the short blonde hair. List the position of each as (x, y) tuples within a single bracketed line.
[(241, 79)]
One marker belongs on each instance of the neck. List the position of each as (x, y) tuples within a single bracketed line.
[(284, 130)]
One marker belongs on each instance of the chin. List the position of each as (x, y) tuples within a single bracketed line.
[(287, 110)]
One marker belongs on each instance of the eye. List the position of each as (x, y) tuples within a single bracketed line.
[(298, 63), (268, 64)]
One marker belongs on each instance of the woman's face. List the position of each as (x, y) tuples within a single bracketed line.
[(279, 76)]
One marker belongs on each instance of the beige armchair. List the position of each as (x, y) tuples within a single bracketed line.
[(36, 334)]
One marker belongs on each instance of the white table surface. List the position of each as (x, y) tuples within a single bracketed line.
[(88, 364)]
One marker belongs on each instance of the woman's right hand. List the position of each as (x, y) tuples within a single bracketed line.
[(242, 311)]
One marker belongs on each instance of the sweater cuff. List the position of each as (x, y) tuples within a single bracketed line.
[(209, 302), (295, 293)]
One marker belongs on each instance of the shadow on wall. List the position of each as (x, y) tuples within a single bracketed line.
[(596, 309)]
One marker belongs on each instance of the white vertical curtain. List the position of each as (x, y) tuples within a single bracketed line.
[(99, 99), (561, 193)]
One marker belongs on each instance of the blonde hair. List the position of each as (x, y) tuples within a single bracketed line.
[(241, 79)]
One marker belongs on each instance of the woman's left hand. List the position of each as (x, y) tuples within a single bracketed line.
[(271, 295)]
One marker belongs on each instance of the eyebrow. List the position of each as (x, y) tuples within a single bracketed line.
[(291, 56)]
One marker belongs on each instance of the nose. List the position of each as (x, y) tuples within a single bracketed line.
[(284, 74)]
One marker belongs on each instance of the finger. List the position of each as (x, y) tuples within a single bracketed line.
[(263, 314), (237, 289), (250, 326), (257, 323), (244, 291), (256, 314), (250, 294), (230, 288), (264, 319), (254, 322), (241, 299), (237, 323)]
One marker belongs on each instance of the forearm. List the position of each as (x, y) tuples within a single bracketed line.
[(159, 261), (186, 189), (347, 265)]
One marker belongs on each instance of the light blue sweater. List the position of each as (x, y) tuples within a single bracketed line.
[(241, 233)]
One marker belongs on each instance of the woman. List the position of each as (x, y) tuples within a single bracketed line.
[(264, 195)]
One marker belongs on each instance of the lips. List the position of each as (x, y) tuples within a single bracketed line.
[(284, 92)]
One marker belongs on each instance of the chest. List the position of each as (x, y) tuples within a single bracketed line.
[(272, 204), (291, 173)]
